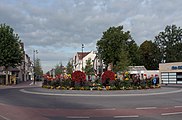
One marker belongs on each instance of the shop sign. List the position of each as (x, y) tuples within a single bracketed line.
[(176, 67)]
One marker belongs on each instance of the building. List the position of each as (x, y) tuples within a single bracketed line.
[(79, 59), (142, 72), (170, 73), (20, 73)]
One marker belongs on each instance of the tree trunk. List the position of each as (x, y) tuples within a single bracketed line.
[(6, 76)]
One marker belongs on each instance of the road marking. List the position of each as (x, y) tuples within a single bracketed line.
[(2, 104), (175, 113), (106, 109), (5, 118), (177, 106), (78, 117), (104, 95), (146, 108), (128, 116)]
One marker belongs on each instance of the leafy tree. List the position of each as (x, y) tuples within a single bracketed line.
[(38, 68), (11, 52), (133, 52), (113, 47), (59, 69), (89, 67), (69, 68), (149, 55), (123, 63), (170, 44)]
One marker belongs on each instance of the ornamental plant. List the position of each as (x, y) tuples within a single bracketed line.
[(78, 76), (108, 75)]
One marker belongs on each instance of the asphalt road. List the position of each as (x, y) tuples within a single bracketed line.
[(27, 103)]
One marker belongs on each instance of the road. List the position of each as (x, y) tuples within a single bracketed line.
[(27, 103)]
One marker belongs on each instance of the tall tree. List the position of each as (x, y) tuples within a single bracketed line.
[(133, 52), (11, 52), (149, 55), (113, 46), (69, 68), (170, 44), (38, 68)]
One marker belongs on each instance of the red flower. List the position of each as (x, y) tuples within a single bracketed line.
[(108, 75), (78, 76)]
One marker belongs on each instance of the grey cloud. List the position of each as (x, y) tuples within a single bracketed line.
[(61, 26)]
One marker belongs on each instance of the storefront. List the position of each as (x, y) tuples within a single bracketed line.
[(171, 73)]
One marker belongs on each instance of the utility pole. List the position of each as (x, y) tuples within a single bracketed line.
[(82, 56), (34, 52)]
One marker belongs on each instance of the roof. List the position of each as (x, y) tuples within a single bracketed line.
[(137, 68), (82, 55)]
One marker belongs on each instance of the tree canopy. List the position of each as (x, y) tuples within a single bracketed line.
[(170, 44), (149, 55), (38, 68), (11, 51), (115, 48), (69, 68), (89, 67), (59, 69)]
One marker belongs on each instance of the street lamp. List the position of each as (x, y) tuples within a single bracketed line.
[(82, 56), (34, 52)]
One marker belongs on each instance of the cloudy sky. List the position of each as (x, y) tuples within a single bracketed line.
[(57, 28)]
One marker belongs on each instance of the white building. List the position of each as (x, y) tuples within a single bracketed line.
[(142, 71), (79, 59), (170, 73)]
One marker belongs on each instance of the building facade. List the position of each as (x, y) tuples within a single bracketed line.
[(170, 73), (79, 59), (20, 73)]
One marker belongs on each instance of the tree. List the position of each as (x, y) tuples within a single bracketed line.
[(11, 52), (59, 69), (133, 52), (113, 46), (89, 68), (38, 68), (149, 55), (69, 68), (123, 63), (170, 44)]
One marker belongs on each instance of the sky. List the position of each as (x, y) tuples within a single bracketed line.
[(58, 28)]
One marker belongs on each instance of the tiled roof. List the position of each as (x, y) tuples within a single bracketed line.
[(80, 55)]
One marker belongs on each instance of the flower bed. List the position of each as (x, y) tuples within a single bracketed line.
[(107, 82)]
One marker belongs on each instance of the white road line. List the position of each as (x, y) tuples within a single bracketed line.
[(128, 116), (177, 106), (146, 108), (106, 109), (78, 117), (175, 113), (5, 118)]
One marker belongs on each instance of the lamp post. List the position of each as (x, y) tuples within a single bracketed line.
[(82, 56), (34, 52)]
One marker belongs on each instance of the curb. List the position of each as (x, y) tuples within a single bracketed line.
[(92, 95)]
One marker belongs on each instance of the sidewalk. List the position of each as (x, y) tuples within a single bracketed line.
[(22, 84), (172, 85)]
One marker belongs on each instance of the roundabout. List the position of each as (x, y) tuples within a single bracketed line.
[(40, 91), (45, 104)]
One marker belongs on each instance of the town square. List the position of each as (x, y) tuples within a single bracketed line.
[(90, 60)]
